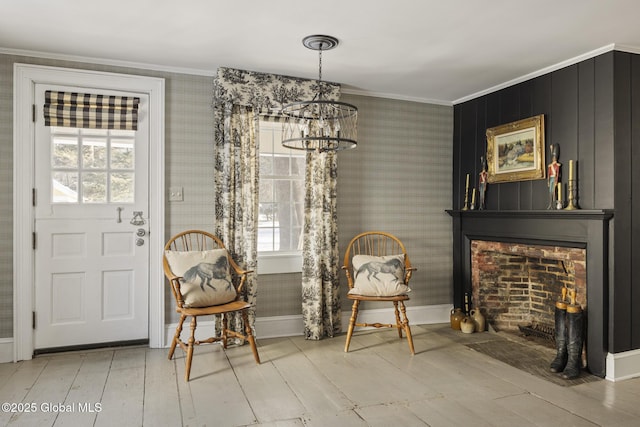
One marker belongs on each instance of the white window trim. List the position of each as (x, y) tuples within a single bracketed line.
[(279, 263)]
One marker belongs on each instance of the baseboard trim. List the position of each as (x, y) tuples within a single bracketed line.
[(6, 350), (292, 325), (623, 366)]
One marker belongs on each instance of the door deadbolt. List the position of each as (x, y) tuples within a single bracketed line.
[(141, 232)]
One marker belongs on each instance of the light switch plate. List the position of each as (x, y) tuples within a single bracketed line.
[(175, 194)]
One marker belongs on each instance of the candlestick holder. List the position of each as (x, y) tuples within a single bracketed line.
[(466, 199), (572, 189)]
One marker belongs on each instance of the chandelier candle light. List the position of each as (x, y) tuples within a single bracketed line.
[(320, 125)]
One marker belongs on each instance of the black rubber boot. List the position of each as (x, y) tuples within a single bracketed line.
[(558, 364), (575, 339)]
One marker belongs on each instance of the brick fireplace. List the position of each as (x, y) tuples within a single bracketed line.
[(516, 285), (535, 248)]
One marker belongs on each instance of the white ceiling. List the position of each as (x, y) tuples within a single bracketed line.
[(442, 51)]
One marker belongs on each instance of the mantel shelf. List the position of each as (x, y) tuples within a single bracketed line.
[(583, 214)]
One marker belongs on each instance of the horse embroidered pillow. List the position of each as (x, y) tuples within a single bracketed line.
[(206, 279), (379, 276)]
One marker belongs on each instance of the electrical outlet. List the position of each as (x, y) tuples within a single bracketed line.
[(175, 194)]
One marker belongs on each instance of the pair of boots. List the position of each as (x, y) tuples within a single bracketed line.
[(569, 340)]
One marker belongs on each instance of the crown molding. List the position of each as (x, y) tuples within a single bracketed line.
[(110, 62), (353, 91), (547, 70), (345, 88)]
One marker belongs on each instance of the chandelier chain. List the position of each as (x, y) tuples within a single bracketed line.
[(320, 65)]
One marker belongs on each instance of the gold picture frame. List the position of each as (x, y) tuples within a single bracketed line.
[(515, 151)]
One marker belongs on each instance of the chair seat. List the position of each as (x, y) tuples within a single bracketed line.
[(374, 298), (214, 309)]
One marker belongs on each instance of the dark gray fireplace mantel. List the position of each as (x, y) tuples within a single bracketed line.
[(588, 229)]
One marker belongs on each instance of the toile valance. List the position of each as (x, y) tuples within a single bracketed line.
[(90, 111), (266, 93)]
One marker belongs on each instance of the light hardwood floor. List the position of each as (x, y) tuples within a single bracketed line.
[(307, 383)]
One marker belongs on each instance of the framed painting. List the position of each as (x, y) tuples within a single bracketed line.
[(515, 151)]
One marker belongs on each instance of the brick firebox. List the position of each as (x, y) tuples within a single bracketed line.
[(517, 284)]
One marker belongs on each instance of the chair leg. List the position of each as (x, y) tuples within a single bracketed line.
[(190, 344), (176, 337), (398, 323), (407, 328), (352, 323), (225, 327), (250, 337)]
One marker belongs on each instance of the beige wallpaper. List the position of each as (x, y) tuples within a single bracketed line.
[(398, 179)]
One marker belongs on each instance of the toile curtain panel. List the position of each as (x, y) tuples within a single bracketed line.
[(240, 98), (320, 282)]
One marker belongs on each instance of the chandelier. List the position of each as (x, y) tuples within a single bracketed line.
[(320, 125)]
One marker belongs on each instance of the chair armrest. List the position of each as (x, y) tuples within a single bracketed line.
[(243, 274), (174, 281), (347, 272), (407, 274)]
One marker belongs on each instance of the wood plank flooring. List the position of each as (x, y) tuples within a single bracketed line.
[(307, 383)]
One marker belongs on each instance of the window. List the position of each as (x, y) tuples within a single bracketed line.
[(92, 165), (281, 203)]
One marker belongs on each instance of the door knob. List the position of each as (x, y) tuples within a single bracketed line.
[(139, 242)]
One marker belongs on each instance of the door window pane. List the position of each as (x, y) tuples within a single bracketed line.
[(122, 185), (65, 187), (122, 154), (92, 165), (64, 152), (94, 154), (94, 187)]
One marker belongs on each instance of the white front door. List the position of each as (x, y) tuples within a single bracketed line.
[(91, 231)]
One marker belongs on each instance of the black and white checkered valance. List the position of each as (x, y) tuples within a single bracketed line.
[(85, 110)]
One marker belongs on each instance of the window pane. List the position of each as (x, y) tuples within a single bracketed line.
[(122, 187), (266, 190), (266, 165), (94, 154), (92, 165), (283, 190), (266, 214), (265, 239), (298, 214), (64, 187), (122, 154), (94, 187), (64, 153), (296, 243), (298, 166), (281, 165)]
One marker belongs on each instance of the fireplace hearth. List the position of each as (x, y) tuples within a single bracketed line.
[(570, 248)]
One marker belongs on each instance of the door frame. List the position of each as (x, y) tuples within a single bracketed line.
[(25, 77)]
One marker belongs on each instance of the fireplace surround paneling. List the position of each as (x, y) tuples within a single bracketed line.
[(588, 229)]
